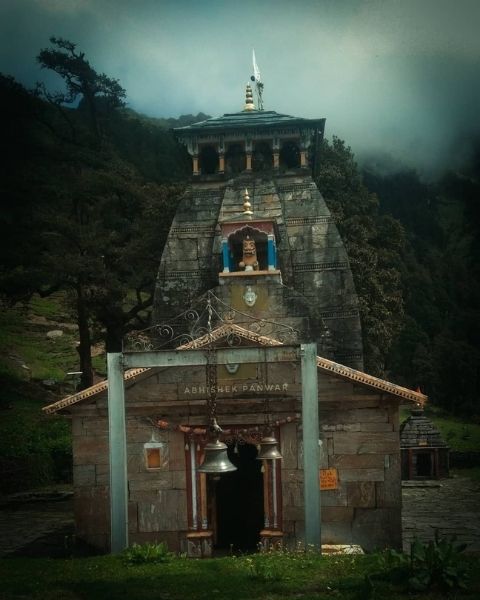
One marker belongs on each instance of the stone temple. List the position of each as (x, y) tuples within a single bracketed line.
[(253, 260)]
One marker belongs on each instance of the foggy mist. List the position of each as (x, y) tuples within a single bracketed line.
[(396, 78)]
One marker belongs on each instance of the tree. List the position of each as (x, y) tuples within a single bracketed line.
[(437, 347), (78, 218), (97, 91), (374, 244)]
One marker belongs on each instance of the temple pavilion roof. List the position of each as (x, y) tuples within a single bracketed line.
[(256, 119)]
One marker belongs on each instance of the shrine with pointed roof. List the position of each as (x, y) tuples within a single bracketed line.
[(216, 452)]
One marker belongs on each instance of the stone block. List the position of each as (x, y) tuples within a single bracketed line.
[(365, 443), (132, 517), (336, 532), (377, 528), (167, 514), (337, 513), (361, 474), (376, 427), (177, 451), (361, 494), (335, 497), (179, 480), (83, 475), (77, 426), (357, 461), (90, 450), (293, 513), (158, 480), (288, 447)]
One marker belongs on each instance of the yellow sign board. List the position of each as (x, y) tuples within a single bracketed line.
[(328, 479)]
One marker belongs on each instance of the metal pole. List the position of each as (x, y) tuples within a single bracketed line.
[(311, 484), (118, 454)]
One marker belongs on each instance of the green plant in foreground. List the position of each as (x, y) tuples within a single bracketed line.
[(148, 553), (438, 563)]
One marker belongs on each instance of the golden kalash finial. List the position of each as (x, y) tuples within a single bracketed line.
[(249, 99), (247, 207)]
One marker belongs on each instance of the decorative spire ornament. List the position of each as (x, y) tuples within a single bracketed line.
[(247, 207), (249, 105)]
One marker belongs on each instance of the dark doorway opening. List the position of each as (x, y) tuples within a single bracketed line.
[(424, 464), (239, 502)]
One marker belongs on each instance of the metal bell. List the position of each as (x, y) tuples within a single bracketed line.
[(268, 449), (216, 459)]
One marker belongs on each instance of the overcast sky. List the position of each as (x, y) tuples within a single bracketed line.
[(396, 76)]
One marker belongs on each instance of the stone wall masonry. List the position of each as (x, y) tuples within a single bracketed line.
[(363, 445), (358, 428)]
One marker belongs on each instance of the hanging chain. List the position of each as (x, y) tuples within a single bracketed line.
[(211, 374)]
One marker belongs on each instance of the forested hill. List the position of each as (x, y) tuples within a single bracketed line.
[(438, 346), (88, 195)]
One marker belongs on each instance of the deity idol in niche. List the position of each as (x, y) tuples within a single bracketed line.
[(249, 260)]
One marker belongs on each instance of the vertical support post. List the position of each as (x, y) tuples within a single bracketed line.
[(225, 255), (276, 160), (311, 484), (118, 454), (271, 252), (249, 161), (195, 166), (221, 163), (303, 159)]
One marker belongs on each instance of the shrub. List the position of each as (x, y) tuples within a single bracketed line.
[(439, 563), (148, 553)]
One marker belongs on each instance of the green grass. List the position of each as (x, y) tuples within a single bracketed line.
[(302, 576), (25, 342), (460, 435)]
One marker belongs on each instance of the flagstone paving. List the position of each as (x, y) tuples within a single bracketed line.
[(451, 506)]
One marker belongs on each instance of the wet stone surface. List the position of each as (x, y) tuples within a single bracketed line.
[(26, 521), (451, 506)]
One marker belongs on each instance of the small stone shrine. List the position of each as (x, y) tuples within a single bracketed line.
[(253, 260), (425, 455)]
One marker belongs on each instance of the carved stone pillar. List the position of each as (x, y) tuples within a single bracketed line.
[(276, 160), (249, 161), (303, 159), (195, 166)]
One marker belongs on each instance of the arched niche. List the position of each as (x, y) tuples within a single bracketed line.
[(262, 158), (235, 159), (235, 245), (208, 160), (289, 155)]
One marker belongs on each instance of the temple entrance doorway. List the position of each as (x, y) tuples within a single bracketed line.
[(424, 464), (239, 502)]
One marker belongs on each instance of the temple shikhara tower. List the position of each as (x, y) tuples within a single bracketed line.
[(302, 275), (229, 451)]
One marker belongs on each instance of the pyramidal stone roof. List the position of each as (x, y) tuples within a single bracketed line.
[(419, 431), (250, 119)]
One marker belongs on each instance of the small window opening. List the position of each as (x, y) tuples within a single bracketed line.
[(156, 455)]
